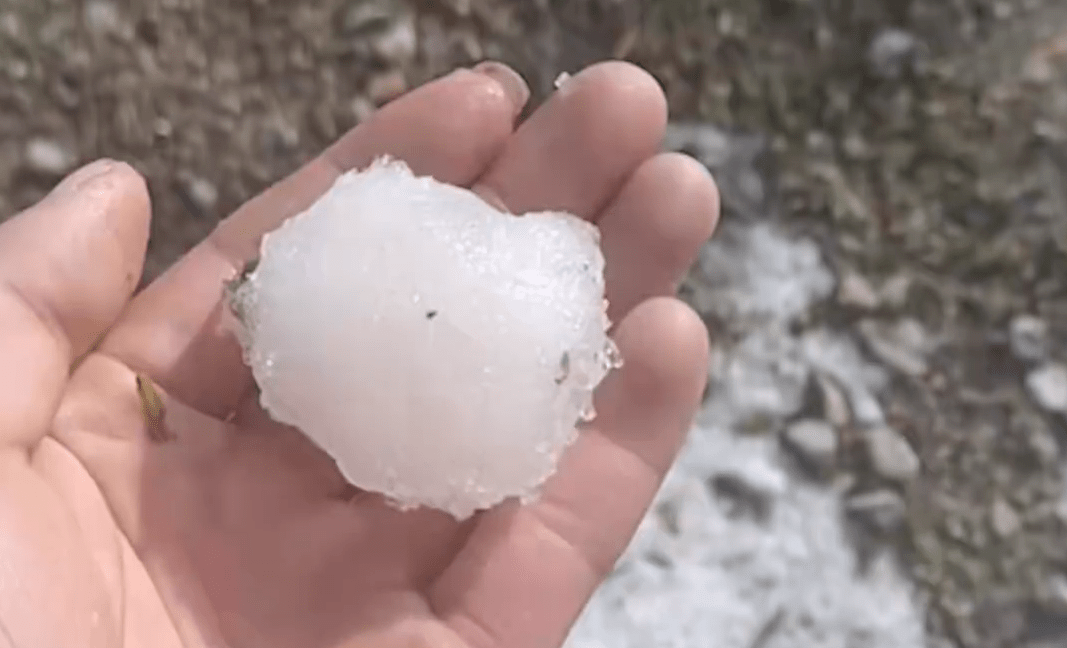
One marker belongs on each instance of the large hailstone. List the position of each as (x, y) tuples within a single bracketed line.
[(442, 352)]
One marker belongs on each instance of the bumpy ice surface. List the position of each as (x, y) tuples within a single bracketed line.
[(439, 350)]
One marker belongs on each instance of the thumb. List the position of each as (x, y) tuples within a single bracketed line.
[(67, 267)]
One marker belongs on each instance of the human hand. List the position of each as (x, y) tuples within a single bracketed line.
[(237, 531)]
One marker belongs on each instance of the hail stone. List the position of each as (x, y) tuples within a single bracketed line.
[(440, 350)]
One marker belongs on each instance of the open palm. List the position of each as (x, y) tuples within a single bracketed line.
[(237, 532)]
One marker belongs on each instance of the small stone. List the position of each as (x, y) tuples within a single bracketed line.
[(819, 144), (1048, 386), (740, 497), (1038, 69), (892, 457), (385, 87), (362, 108), (398, 43), (17, 68), (1032, 427), (1003, 518), (902, 345), (1028, 336), (279, 138), (999, 621), (891, 53), (1056, 591), (361, 16), (102, 17), (49, 157), (856, 290), (835, 408), (200, 191), (894, 292), (11, 25), (866, 408), (856, 147), (1045, 447), (883, 509), (814, 441), (1003, 10), (162, 127)]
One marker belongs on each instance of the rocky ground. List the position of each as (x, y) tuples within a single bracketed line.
[(917, 149)]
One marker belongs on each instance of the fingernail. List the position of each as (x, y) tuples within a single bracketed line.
[(513, 84)]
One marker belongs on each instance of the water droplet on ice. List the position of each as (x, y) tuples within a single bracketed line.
[(612, 355)]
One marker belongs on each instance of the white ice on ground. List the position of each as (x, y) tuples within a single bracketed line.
[(439, 350), (701, 576), (704, 573)]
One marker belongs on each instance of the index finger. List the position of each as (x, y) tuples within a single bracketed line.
[(450, 128)]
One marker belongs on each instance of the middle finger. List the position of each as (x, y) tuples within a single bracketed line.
[(575, 152)]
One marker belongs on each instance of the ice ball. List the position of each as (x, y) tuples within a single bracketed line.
[(440, 350)]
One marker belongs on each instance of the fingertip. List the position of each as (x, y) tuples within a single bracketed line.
[(123, 205), (656, 226), (450, 128), (80, 251), (578, 148), (695, 186), (625, 87), (665, 348), (514, 86)]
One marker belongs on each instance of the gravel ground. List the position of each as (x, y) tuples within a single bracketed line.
[(914, 148), (749, 543)]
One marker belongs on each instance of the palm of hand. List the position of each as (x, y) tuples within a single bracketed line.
[(238, 532)]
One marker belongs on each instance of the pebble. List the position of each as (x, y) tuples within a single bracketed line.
[(1000, 622), (894, 292), (1003, 10), (856, 290), (102, 16), (200, 191), (363, 15), (883, 509), (1048, 386), (398, 43), (892, 52), (1003, 518), (866, 408), (902, 345), (49, 156), (1032, 428), (1028, 336), (362, 108), (741, 497), (386, 86), (835, 406), (814, 441), (162, 127), (892, 457), (1038, 69), (279, 138), (1056, 591)]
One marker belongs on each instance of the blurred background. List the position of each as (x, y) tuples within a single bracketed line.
[(887, 290)]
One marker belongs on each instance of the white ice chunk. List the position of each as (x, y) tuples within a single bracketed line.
[(439, 350)]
